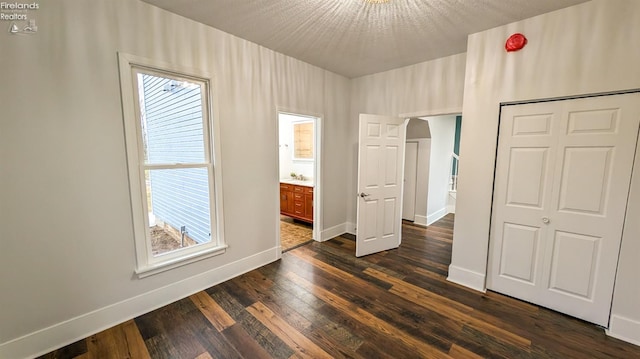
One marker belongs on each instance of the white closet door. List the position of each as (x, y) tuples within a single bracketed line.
[(562, 181)]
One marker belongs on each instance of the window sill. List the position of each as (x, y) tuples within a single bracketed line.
[(156, 268)]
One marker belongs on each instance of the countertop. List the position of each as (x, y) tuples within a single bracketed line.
[(308, 183)]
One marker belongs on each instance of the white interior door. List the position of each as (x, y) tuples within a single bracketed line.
[(562, 181), (410, 177), (380, 169)]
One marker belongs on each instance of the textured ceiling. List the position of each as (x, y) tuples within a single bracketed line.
[(355, 38)]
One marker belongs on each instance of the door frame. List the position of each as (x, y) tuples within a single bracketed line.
[(415, 179), (406, 117), (428, 113), (317, 171), (633, 169)]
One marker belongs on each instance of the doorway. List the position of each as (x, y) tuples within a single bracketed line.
[(298, 179), (381, 203), (431, 168)]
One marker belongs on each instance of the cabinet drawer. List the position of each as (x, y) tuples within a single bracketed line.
[(308, 190), (286, 186), (298, 196), (298, 189)]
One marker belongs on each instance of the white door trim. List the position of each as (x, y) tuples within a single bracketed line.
[(317, 171)]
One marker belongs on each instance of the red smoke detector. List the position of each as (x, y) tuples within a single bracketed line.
[(515, 42)]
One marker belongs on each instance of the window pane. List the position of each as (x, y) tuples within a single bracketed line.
[(179, 210), (172, 124)]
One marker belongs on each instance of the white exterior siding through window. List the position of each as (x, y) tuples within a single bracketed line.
[(172, 127)]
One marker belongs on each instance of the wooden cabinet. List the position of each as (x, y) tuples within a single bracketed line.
[(286, 198), (296, 201)]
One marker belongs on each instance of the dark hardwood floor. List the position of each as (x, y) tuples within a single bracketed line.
[(320, 301)]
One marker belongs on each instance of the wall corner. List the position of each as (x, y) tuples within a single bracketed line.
[(467, 278), (624, 329)]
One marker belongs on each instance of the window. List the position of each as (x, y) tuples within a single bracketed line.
[(170, 150)]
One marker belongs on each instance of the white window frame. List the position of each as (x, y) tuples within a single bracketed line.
[(146, 263)]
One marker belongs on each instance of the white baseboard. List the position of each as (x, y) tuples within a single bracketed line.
[(72, 330), (451, 208), (346, 227), (351, 228), (421, 220), (333, 232), (467, 278), (624, 329), (436, 216)]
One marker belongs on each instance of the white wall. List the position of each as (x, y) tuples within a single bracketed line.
[(428, 88), (625, 313), (287, 163), (443, 130), (418, 129), (67, 254), (584, 49)]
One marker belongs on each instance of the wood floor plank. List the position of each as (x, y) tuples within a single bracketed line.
[(251, 285), (424, 296), (496, 310), (487, 345), (406, 267), (339, 341), (158, 348), (216, 344), (304, 347), (212, 310), (430, 274), (121, 341), (244, 343), (459, 352), (135, 343), (268, 340), (365, 295), (175, 328), (308, 255), (342, 259), (367, 318), (454, 309), (320, 300), (226, 301), (270, 343), (429, 326), (74, 350), (103, 345)]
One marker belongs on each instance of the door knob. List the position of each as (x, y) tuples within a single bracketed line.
[(545, 220), (363, 195)]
